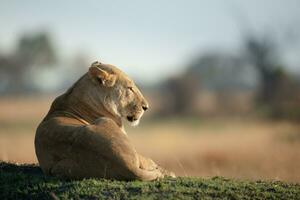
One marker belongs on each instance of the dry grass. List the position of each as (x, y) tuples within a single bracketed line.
[(240, 149), (237, 148)]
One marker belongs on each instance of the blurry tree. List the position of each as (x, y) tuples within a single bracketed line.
[(227, 77), (36, 49), (219, 71), (278, 92), (10, 77), (180, 94), (33, 50), (262, 54)]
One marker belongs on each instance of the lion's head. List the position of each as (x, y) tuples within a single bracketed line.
[(117, 92)]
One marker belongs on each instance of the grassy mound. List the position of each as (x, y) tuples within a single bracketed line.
[(28, 182)]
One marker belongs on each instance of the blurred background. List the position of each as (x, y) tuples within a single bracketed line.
[(222, 78)]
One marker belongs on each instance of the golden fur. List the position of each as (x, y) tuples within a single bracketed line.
[(82, 135)]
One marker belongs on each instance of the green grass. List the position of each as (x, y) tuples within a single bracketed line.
[(28, 182)]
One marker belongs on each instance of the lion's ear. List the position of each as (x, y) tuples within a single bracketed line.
[(101, 76)]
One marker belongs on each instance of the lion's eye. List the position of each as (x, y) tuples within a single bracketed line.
[(130, 88)]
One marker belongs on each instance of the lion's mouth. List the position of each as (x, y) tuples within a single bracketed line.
[(131, 118), (134, 121)]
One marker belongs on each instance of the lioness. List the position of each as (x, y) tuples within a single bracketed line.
[(82, 135)]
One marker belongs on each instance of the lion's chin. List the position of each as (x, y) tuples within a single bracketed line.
[(134, 123), (133, 120)]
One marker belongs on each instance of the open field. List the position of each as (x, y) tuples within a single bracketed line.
[(234, 148), (28, 182)]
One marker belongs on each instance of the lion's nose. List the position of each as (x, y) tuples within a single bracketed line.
[(145, 107)]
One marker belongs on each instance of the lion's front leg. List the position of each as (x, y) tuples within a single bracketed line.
[(147, 163)]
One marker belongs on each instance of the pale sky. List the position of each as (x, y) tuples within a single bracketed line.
[(147, 39)]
